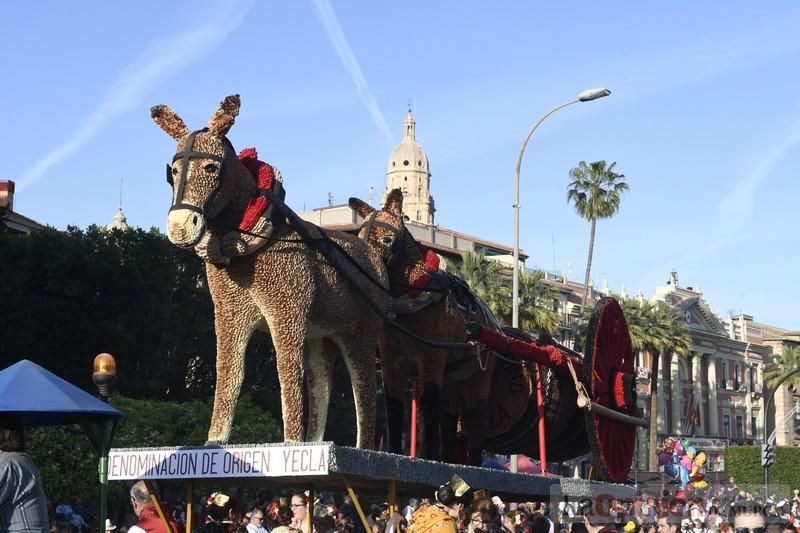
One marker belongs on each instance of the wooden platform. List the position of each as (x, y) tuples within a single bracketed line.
[(326, 466)]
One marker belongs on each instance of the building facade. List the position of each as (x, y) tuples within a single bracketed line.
[(13, 220)]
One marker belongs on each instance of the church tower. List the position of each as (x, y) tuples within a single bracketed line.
[(408, 171)]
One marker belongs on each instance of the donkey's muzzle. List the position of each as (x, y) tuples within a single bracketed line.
[(185, 226)]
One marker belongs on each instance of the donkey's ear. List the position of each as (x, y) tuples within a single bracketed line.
[(361, 207), (394, 202), (169, 121), (225, 115)]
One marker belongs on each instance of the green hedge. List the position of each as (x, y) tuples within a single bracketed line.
[(743, 463)]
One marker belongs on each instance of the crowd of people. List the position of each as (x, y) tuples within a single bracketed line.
[(718, 509), (726, 509)]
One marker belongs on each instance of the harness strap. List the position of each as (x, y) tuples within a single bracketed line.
[(185, 157)]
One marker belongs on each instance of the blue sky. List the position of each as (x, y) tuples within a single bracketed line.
[(703, 120)]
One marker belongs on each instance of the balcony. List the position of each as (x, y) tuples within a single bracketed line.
[(729, 384)]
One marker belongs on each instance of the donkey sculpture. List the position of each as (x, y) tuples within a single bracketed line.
[(455, 383), (309, 308)]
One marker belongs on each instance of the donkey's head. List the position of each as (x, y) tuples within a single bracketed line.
[(385, 230), (200, 172)]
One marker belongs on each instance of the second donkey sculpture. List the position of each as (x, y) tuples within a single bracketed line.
[(456, 384), (309, 308)]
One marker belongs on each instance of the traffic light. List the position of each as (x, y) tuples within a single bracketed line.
[(767, 455)]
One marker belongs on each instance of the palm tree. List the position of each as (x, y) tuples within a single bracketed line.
[(665, 333), (784, 364), (595, 191), (483, 277), (535, 303)]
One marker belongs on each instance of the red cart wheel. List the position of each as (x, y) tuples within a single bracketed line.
[(607, 357)]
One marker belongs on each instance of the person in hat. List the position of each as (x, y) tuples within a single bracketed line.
[(222, 515), (442, 516)]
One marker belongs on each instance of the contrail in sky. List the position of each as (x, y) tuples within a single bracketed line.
[(161, 58), (736, 206), (328, 18)]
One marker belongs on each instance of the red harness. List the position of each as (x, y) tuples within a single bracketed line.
[(421, 280), (265, 179)]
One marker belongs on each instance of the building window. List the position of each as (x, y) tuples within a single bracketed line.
[(726, 426), (753, 427), (752, 378), (724, 373), (739, 427), (405, 162), (736, 375)]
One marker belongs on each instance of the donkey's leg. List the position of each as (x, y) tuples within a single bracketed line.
[(359, 356), (233, 329), (431, 413), (320, 359), (288, 343), (476, 412), (394, 372)]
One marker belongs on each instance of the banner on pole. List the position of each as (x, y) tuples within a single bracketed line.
[(253, 461)]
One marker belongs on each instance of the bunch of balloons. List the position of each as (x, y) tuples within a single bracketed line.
[(684, 463)]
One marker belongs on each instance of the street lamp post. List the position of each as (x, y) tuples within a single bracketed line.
[(585, 96), (104, 375)]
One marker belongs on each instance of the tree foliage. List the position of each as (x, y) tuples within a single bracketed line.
[(71, 295), (596, 191), (783, 365), (488, 281), (743, 463)]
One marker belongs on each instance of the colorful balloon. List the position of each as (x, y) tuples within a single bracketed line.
[(686, 462), (684, 473), (691, 451), (678, 448), (663, 458), (702, 484), (700, 460)]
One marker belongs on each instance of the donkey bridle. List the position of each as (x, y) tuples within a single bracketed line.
[(186, 156), (394, 254)]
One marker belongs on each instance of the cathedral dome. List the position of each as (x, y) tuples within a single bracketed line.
[(408, 155), (119, 222)]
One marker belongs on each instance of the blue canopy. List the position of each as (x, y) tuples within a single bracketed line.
[(43, 399)]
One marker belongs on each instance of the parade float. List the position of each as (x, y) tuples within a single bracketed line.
[(324, 294)]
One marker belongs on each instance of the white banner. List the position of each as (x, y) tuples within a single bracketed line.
[(255, 461)]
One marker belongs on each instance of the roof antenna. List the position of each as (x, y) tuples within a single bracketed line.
[(370, 194), (120, 193)]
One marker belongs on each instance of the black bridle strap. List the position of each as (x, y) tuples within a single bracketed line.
[(323, 245), (185, 157)]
